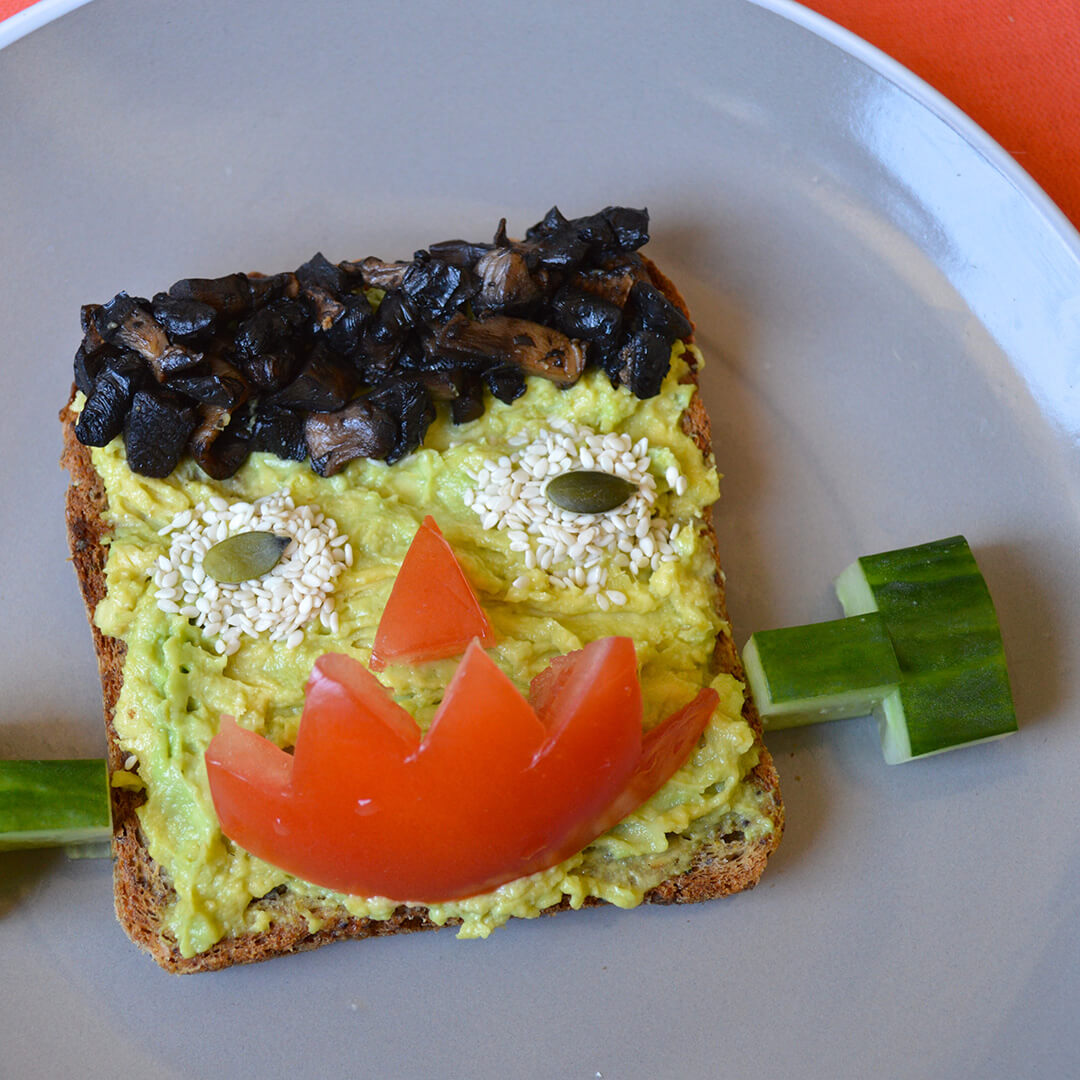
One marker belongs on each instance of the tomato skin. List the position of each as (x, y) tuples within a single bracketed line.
[(495, 790), (432, 612), (250, 783)]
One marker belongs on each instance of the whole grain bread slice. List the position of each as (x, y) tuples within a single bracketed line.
[(729, 862)]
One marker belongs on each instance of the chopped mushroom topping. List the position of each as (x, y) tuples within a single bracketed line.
[(336, 438), (335, 361), (500, 339)]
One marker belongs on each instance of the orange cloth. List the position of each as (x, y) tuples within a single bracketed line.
[(1012, 65)]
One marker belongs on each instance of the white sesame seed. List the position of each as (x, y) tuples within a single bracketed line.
[(296, 591), (616, 597), (509, 497)]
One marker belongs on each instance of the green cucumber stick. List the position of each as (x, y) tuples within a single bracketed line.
[(825, 671), (53, 803)]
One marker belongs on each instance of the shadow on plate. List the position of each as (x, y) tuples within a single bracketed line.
[(20, 874)]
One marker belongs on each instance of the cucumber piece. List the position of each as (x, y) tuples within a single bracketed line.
[(53, 803), (954, 689), (826, 671)]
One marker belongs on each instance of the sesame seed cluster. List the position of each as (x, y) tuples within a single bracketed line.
[(283, 601), (572, 548)]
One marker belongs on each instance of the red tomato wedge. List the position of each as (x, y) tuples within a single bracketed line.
[(496, 790), (432, 612)]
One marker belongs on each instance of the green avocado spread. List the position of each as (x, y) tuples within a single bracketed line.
[(176, 686)]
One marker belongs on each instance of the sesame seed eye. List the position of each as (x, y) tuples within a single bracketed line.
[(576, 549), (295, 592)]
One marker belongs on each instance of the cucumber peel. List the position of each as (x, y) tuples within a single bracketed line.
[(928, 610), (53, 803)]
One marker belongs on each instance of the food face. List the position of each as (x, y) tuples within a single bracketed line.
[(408, 391)]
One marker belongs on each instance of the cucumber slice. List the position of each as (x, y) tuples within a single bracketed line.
[(53, 803), (827, 671), (954, 689)]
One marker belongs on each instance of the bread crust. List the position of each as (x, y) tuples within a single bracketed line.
[(725, 865)]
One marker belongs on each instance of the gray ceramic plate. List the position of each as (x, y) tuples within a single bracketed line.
[(892, 315)]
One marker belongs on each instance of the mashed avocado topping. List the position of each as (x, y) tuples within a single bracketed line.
[(177, 686)]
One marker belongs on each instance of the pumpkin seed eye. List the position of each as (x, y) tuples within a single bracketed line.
[(588, 491), (245, 556)]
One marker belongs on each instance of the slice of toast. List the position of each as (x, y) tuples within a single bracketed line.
[(725, 863)]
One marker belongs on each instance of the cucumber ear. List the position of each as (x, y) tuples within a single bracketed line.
[(920, 647), (954, 687), (53, 803)]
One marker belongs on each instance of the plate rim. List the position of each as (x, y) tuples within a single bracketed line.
[(946, 110)]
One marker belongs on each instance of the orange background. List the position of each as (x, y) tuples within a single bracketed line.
[(1012, 65)]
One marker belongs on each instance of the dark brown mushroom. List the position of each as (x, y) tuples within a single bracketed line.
[(156, 431), (501, 339), (458, 252), (325, 383), (126, 322), (655, 312), (505, 282), (376, 274), (324, 306), (279, 431), (408, 404), (443, 385), (107, 404), (320, 273), (643, 363), (336, 438), (92, 339), (216, 450), (86, 367), (222, 386), (265, 288), (469, 404), (229, 295), (436, 289), (613, 281), (183, 318)]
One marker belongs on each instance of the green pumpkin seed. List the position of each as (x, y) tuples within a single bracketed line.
[(588, 491), (245, 556)]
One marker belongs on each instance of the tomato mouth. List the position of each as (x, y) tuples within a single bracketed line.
[(500, 787)]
